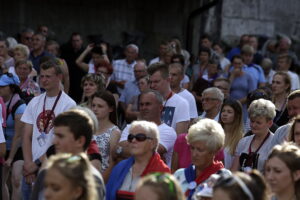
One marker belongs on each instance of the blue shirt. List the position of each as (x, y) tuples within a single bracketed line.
[(256, 72), (36, 60), (130, 90)]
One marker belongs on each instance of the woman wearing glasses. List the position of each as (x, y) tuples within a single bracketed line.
[(205, 138), (10, 92), (240, 186), (282, 172), (143, 141)]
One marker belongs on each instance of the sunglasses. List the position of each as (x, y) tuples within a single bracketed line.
[(140, 137)]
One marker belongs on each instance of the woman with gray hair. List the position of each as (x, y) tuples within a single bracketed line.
[(205, 138), (143, 142), (252, 151)]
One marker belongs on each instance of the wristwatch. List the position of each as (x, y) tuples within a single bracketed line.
[(38, 162)]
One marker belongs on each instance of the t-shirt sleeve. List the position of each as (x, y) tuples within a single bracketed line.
[(183, 111), (124, 134), (27, 116), (167, 138), (21, 109)]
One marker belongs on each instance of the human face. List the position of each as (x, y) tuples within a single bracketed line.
[(131, 54), (103, 71), (149, 107), (23, 71), (220, 194), (297, 133), (278, 85), (253, 42), (206, 43), (49, 79), (237, 63), (212, 69), (293, 107), (58, 187), (18, 55), (5, 92), (143, 84), (209, 101), (282, 64), (3, 48), (260, 125), (284, 45), (141, 148), (44, 30), (227, 115), (89, 88), (175, 77), (247, 58), (162, 49), (65, 142), (218, 49), (158, 83), (145, 193), (139, 70), (223, 86), (97, 58), (26, 39), (204, 56), (52, 49), (101, 108), (279, 176), (76, 42), (201, 156), (38, 42)]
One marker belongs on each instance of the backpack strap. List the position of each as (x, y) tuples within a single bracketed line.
[(15, 107)]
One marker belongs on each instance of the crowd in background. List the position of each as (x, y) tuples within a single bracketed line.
[(80, 123)]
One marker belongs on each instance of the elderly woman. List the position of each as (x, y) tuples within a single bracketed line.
[(143, 141), (252, 151), (205, 138)]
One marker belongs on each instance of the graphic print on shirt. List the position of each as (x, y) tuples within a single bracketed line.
[(45, 120), (167, 115)]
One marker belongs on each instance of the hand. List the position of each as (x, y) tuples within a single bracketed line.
[(121, 84), (104, 48), (89, 47), (29, 179), (29, 168), (8, 162)]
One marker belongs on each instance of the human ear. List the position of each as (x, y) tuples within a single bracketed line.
[(77, 192), (296, 175)]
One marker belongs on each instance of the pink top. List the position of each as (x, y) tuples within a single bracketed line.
[(183, 150)]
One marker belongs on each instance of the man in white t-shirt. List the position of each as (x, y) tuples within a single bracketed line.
[(38, 118), (177, 74), (284, 63), (176, 109), (150, 106)]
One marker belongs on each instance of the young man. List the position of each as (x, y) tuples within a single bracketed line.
[(176, 109), (73, 132), (38, 119)]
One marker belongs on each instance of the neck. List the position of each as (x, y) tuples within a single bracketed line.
[(167, 93), (22, 80), (37, 52), (7, 98), (129, 61), (142, 160), (199, 169), (227, 128), (176, 89), (211, 114), (53, 92), (261, 136), (288, 194), (105, 124)]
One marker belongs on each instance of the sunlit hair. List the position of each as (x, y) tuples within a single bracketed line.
[(291, 136), (288, 153), (23, 49), (77, 169), (235, 133), (208, 131), (150, 129), (262, 108), (217, 93), (28, 63), (164, 185), (161, 67), (244, 186)]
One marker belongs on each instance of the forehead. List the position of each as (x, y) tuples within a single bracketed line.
[(64, 130), (2, 43), (221, 83), (156, 75), (140, 66), (131, 50), (137, 129), (208, 94), (50, 71), (149, 97), (174, 69), (76, 37), (294, 102)]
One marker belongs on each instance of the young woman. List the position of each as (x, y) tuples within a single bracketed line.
[(91, 83), (108, 134), (282, 172), (231, 119), (10, 92), (281, 87), (69, 178)]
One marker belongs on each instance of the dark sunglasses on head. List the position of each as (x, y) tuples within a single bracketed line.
[(140, 137)]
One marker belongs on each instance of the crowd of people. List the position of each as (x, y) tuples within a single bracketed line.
[(78, 123)]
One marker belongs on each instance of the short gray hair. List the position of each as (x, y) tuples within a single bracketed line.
[(150, 128), (135, 47), (262, 108), (208, 131), (216, 92)]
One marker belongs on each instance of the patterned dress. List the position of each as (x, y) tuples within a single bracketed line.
[(102, 141)]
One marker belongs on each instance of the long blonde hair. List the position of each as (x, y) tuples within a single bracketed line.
[(233, 136)]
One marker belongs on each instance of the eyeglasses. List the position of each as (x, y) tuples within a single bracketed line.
[(140, 137), (230, 180), (209, 99)]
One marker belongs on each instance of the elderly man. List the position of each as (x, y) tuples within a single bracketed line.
[(176, 109), (223, 84), (177, 74), (293, 107), (285, 48), (284, 63), (8, 61), (131, 87), (212, 99), (123, 68), (26, 37), (151, 105)]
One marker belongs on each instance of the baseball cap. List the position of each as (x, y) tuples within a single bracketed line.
[(9, 79)]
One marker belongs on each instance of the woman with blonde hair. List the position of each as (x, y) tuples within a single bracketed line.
[(231, 119), (69, 177)]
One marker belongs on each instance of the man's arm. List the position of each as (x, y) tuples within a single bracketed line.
[(182, 127)]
